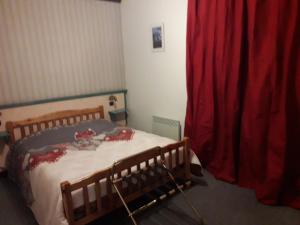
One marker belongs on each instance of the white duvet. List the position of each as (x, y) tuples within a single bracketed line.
[(46, 178)]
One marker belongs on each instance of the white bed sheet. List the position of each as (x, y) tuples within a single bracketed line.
[(75, 165)]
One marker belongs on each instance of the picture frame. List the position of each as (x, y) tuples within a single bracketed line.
[(158, 37)]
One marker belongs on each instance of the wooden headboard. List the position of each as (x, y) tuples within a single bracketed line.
[(20, 129)]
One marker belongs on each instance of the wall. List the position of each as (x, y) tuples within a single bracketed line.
[(56, 48), (155, 80)]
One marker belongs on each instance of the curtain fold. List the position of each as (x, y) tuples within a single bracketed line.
[(243, 87)]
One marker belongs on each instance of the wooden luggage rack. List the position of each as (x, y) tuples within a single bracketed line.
[(150, 172)]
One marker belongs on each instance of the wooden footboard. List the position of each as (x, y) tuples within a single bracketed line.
[(176, 156)]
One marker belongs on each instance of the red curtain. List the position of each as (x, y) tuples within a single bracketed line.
[(243, 86)]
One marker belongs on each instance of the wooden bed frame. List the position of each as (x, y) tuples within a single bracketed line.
[(178, 162)]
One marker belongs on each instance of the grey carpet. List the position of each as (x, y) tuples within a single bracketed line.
[(218, 202)]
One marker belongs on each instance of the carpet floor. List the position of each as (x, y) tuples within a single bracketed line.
[(218, 202)]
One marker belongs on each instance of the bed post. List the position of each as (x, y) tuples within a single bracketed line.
[(10, 129), (101, 110), (67, 201), (187, 158)]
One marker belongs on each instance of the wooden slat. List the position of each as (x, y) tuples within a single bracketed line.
[(39, 127), (31, 131), (23, 133), (177, 156), (101, 114), (170, 160), (75, 119), (86, 200), (98, 195), (163, 157), (109, 191)]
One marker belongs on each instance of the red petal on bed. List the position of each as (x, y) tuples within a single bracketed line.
[(123, 134), (50, 157), (87, 134)]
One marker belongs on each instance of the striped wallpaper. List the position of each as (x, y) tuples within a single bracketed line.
[(57, 48)]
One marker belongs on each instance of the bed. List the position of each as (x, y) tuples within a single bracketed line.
[(64, 163)]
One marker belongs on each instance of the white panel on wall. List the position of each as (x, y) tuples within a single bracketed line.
[(156, 80), (56, 48)]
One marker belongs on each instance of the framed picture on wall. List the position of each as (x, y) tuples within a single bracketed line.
[(158, 39)]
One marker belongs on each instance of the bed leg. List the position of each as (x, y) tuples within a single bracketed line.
[(67, 201), (187, 158)]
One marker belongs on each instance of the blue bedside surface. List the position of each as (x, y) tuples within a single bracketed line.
[(116, 111), (118, 115), (4, 135)]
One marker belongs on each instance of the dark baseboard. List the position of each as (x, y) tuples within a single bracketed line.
[(3, 173)]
